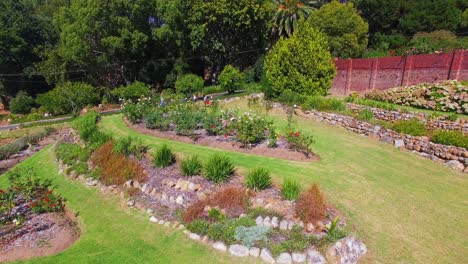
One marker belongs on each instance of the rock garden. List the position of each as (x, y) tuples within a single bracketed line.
[(245, 215)]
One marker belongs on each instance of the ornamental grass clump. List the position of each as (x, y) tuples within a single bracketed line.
[(258, 179), (311, 205), (290, 189), (191, 166), (163, 157), (218, 168)]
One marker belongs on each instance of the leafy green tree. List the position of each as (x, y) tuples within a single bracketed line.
[(288, 15), (439, 40), (346, 30), (109, 41), (189, 84), (23, 34), (301, 63), (227, 31), (231, 79)]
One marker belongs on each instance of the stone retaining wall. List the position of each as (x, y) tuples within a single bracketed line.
[(451, 156), (441, 122)]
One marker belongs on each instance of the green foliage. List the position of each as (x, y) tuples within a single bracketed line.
[(225, 231), (249, 75), (258, 68), (155, 119), (426, 43), (213, 89), (130, 146), (295, 241), (191, 166), (301, 63), (291, 98), (222, 29), (216, 215), (218, 168), (88, 130), (199, 226), (452, 138), (187, 117), (251, 235), (163, 157), (189, 84), (323, 104), (365, 115), (70, 153), (231, 79), (452, 117), (133, 91), (258, 179), (255, 212), (288, 15), (22, 103), (251, 129), (69, 98), (344, 27), (411, 127), (290, 189)]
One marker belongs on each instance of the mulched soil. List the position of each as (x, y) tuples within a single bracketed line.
[(220, 142), (40, 235)]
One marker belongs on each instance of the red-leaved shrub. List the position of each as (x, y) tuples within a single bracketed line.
[(116, 168), (311, 205), (194, 211)]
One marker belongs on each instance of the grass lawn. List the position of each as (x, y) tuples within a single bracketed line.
[(113, 233), (406, 208)]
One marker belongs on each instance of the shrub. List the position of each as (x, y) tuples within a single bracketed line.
[(88, 130), (301, 63), (249, 75), (226, 231), (194, 211), (191, 166), (311, 206), (163, 157), (251, 129), (291, 98), (116, 168), (295, 241), (70, 153), (452, 117), (323, 104), (22, 103), (199, 227), (231, 79), (366, 115), (300, 142), (133, 91), (258, 179), (189, 84), (155, 119), (216, 215), (233, 200), (187, 117), (258, 68), (20, 144), (411, 127), (218, 168), (290, 189), (69, 98), (250, 235), (453, 138)]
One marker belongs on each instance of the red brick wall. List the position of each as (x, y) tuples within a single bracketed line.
[(361, 75)]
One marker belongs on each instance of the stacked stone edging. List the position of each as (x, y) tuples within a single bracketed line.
[(441, 122), (454, 157)]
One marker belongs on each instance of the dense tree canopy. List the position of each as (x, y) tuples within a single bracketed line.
[(346, 30)]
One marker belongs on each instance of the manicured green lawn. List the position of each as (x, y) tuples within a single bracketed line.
[(113, 233), (406, 208)]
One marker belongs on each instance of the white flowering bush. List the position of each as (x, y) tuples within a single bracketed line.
[(447, 96), (252, 129)]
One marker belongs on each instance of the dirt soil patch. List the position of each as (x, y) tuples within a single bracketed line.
[(40, 235), (228, 144)]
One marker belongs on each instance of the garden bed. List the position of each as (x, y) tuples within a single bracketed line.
[(40, 235), (202, 138), (33, 219)]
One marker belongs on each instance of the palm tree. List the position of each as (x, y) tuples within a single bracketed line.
[(288, 14)]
